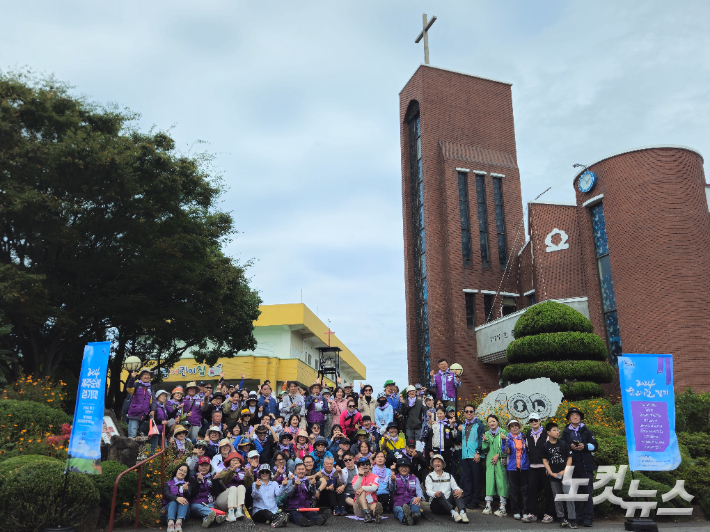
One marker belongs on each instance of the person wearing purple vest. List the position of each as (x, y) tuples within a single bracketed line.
[(445, 383), (300, 495), (176, 493), (138, 386), (205, 490), (406, 494), (161, 417), (316, 407), (192, 408)]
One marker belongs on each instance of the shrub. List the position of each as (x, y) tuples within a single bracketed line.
[(692, 411), (581, 390), (557, 346), (17, 461), (696, 442), (645, 483), (30, 496), (25, 425), (104, 482), (612, 450), (560, 371), (551, 317), (44, 391)]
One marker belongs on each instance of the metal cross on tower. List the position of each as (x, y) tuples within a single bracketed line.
[(425, 34)]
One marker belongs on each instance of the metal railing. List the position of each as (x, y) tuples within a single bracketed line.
[(139, 466)]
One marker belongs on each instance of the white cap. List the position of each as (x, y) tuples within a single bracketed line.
[(534, 415), (160, 392), (513, 421), (410, 388), (253, 454)]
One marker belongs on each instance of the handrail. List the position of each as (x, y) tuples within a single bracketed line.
[(139, 465)]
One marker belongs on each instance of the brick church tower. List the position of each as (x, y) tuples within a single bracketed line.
[(463, 218)]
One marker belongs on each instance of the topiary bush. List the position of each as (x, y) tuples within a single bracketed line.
[(697, 443), (557, 346), (551, 317), (30, 496), (574, 391), (560, 371), (127, 487)]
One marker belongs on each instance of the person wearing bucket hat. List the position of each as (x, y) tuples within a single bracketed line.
[(199, 449), (384, 415), (518, 470), (537, 478), (413, 410), (214, 435), (180, 442), (583, 444), (316, 407), (392, 441), (406, 493), (445, 495), (245, 446), (319, 452), (496, 478), (162, 418), (139, 388), (205, 490), (366, 484), (225, 449), (302, 447), (265, 492), (264, 441), (236, 481), (192, 408)]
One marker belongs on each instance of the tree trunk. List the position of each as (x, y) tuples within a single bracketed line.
[(114, 395)]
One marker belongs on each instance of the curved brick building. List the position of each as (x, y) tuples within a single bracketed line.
[(632, 253)]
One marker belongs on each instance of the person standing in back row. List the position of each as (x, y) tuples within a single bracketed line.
[(445, 383), (583, 444)]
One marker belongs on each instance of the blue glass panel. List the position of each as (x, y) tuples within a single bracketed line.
[(426, 337), (421, 216), (599, 228), (500, 221), (420, 197), (425, 315), (422, 264), (502, 250), (614, 335), (417, 127), (424, 291), (422, 248), (463, 213), (607, 285), (419, 170), (497, 191), (419, 148), (484, 248), (466, 244)]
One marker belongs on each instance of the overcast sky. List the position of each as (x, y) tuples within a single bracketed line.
[(299, 102)]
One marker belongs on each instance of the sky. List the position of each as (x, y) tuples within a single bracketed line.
[(298, 102)]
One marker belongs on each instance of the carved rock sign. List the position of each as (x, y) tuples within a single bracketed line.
[(556, 247), (520, 400)]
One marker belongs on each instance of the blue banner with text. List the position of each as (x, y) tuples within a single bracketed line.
[(648, 400), (84, 454)]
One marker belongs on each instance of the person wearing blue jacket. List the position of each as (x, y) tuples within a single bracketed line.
[(268, 404), (472, 457), (384, 415), (518, 469), (264, 492)]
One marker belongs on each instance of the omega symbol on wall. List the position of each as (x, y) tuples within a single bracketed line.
[(556, 247)]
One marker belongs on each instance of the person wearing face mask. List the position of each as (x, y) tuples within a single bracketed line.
[(176, 493), (518, 469), (496, 479), (537, 480), (384, 415)]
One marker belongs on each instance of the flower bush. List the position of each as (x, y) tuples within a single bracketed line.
[(27, 427), (43, 391)]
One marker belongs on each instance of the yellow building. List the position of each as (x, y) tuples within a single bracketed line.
[(287, 340)]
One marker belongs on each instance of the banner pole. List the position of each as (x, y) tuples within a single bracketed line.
[(64, 490)]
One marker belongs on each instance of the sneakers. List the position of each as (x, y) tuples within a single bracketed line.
[(171, 527), (416, 517), (456, 516), (407, 511), (368, 516), (487, 510), (178, 526), (220, 519), (230, 516), (464, 517), (280, 520), (500, 512), (207, 521), (517, 517), (587, 523), (568, 524), (323, 518), (239, 513), (304, 521), (378, 513), (547, 519)]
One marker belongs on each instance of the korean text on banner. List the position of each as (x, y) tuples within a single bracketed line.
[(84, 454), (649, 411)]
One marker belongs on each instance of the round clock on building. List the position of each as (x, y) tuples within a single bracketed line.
[(587, 181)]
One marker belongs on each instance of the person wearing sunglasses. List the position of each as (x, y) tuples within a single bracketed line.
[(472, 456), (366, 404), (350, 419), (349, 473)]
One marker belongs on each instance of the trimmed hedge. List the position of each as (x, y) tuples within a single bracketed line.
[(696, 442), (32, 417), (30, 496), (104, 482), (557, 346), (560, 371), (551, 317), (574, 391)]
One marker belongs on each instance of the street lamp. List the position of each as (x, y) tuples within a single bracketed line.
[(132, 363), (457, 370)]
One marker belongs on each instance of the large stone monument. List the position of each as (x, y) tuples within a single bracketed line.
[(520, 400)]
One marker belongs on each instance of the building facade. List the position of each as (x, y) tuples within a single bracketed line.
[(633, 245)]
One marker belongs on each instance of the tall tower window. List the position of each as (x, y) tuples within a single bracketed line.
[(465, 222), (488, 307), (601, 247), (483, 220), (470, 309), (419, 245), (500, 220)]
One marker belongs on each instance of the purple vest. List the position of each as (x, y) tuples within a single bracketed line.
[(237, 479), (204, 492), (140, 401), (404, 492), (175, 489), (161, 414), (192, 407), (301, 497), (313, 416), (449, 382)]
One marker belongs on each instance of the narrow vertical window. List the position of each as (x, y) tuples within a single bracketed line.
[(531, 299), (500, 221), (465, 222), (470, 310), (601, 247), (483, 220), (488, 306)]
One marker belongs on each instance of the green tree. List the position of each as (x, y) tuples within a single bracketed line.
[(109, 231)]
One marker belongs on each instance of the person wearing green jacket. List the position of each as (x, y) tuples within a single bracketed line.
[(496, 479)]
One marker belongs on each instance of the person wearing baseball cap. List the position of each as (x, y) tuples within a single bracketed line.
[(384, 415), (162, 417), (319, 453), (537, 478), (205, 490), (406, 493), (518, 469), (417, 465), (583, 444), (393, 399), (367, 483), (413, 409), (139, 388)]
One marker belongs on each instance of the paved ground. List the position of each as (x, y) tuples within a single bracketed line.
[(437, 523)]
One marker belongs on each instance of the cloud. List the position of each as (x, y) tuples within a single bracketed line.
[(300, 104)]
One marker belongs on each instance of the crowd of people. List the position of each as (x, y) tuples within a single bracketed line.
[(304, 455)]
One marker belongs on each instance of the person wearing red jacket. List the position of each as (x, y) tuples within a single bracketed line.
[(351, 419)]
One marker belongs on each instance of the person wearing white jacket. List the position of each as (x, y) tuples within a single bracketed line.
[(446, 496), (265, 492)]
